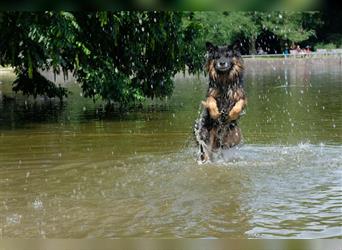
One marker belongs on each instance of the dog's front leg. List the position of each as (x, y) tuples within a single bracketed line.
[(234, 113), (211, 105)]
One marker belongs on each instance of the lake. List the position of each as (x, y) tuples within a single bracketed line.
[(71, 170)]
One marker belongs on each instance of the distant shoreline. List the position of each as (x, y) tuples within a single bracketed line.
[(312, 55), (292, 57), (250, 61)]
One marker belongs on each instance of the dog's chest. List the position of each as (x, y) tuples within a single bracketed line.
[(226, 98)]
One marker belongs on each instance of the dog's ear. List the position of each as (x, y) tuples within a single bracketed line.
[(236, 47), (210, 47), (237, 51)]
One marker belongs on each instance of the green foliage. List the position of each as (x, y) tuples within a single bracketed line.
[(329, 31), (35, 84), (325, 46), (118, 56), (286, 25), (229, 27), (124, 56), (36, 41), (225, 27), (335, 39)]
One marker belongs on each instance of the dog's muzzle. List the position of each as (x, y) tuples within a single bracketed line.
[(223, 66)]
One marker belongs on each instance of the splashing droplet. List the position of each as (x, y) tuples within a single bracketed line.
[(37, 204)]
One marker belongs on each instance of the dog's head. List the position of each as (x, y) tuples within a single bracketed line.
[(224, 61)]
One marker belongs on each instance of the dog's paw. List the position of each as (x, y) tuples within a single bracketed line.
[(243, 112), (205, 104), (203, 161)]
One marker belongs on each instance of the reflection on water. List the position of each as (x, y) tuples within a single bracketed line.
[(71, 171)]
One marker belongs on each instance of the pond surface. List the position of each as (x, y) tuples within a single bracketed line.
[(71, 171)]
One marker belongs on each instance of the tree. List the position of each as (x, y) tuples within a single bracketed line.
[(226, 27), (124, 57), (118, 56), (288, 26), (25, 46), (329, 29), (250, 27)]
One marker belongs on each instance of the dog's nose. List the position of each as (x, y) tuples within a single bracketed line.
[(222, 64)]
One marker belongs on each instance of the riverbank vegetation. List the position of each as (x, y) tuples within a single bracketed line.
[(125, 57)]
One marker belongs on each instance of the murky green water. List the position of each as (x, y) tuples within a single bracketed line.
[(71, 171)]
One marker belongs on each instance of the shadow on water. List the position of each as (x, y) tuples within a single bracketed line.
[(71, 171)]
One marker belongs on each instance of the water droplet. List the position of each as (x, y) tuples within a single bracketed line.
[(37, 204), (13, 219)]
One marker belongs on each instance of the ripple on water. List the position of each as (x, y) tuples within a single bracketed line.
[(272, 191)]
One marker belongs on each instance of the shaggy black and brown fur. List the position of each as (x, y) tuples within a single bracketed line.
[(217, 125)]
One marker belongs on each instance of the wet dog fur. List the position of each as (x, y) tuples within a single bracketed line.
[(225, 100)]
